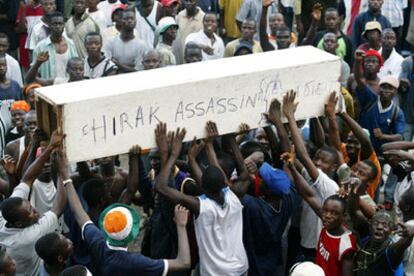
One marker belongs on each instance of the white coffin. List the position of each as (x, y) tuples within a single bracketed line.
[(106, 116)]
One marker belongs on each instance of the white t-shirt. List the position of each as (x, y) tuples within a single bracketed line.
[(42, 196), (129, 52), (61, 61), (219, 233), (20, 242), (13, 70), (201, 38), (310, 224), (99, 18), (106, 8)]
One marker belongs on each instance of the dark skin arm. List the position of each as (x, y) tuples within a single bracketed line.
[(133, 176), (60, 200), (400, 145), (317, 133), (161, 183), (124, 67), (264, 40), (333, 132), (316, 18), (34, 70), (274, 117), (9, 165), (360, 222), (196, 148), (212, 134), (289, 108), (358, 70), (348, 264), (397, 250), (366, 146)]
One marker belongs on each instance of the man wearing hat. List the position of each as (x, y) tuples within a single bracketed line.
[(373, 14), (170, 7), (120, 226), (372, 34), (168, 32)]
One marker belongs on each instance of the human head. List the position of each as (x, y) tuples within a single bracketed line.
[(18, 110), (96, 194), (48, 6), (92, 4), (4, 43), (212, 180), (365, 170), (146, 7), (116, 15), (261, 137), (276, 20), (168, 28), (250, 147), (18, 213), (7, 264), (56, 24), (120, 224), (171, 7), (76, 270), (151, 59), (128, 20), (332, 20), (3, 66), (326, 158), (210, 23), (333, 212), (75, 69), (330, 43), (283, 38), (248, 29), (381, 226), (387, 90), (406, 204), (54, 249), (30, 122), (192, 53), (79, 7), (375, 5), (244, 48), (372, 62), (372, 32), (388, 39), (353, 147), (93, 43), (190, 6)]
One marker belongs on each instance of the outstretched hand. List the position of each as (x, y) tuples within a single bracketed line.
[(161, 137), (212, 132), (135, 150), (289, 105), (405, 230), (196, 147), (177, 141), (317, 12), (330, 107), (9, 164), (274, 114)]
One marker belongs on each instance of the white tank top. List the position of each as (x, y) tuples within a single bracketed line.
[(144, 29)]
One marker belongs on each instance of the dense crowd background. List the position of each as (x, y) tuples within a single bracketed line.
[(332, 195)]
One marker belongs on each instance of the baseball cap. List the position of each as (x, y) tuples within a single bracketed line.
[(390, 80), (244, 44), (120, 224), (166, 3), (306, 269), (119, 6), (370, 26), (165, 23)]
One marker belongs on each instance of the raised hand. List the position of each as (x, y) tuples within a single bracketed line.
[(274, 114), (359, 55), (212, 132), (289, 105), (56, 139), (317, 12), (161, 137), (289, 157), (9, 164), (177, 141), (196, 148), (61, 162), (181, 215), (330, 107), (135, 150), (42, 57)]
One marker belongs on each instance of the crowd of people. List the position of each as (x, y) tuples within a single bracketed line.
[(331, 195)]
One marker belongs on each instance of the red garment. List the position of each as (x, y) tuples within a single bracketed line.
[(356, 4), (331, 249)]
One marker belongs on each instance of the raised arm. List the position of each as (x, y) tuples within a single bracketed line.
[(317, 132), (358, 69), (316, 18), (359, 221), (36, 167), (264, 40), (366, 146), (333, 132), (161, 183), (212, 135), (274, 116), (400, 145), (133, 175), (193, 152), (397, 250), (59, 202), (183, 260), (289, 108)]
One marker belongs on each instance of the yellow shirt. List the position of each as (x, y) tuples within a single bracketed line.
[(231, 8), (231, 47)]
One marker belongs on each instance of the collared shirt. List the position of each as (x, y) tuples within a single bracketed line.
[(48, 69), (393, 11), (186, 26), (201, 38), (392, 65), (231, 47), (167, 55), (359, 26), (77, 33), (36, 34)]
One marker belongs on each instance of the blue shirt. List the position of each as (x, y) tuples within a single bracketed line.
[(13, 92), (118, 262), (372, 118), (359, 26)]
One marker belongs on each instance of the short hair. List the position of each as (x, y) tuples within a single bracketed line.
[(331, 151), (93, 192), (47, 247), (55, 14), (93, 34), (76, 270), (191, 46), (73, 60), (250, 19), (372, 166), (226, 162), (209, 13), (387, 30), (10, 209), (249, 147), (150, 51), (128, 9), (213, 179), (3, 35), (331, 9), (338, 199)]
